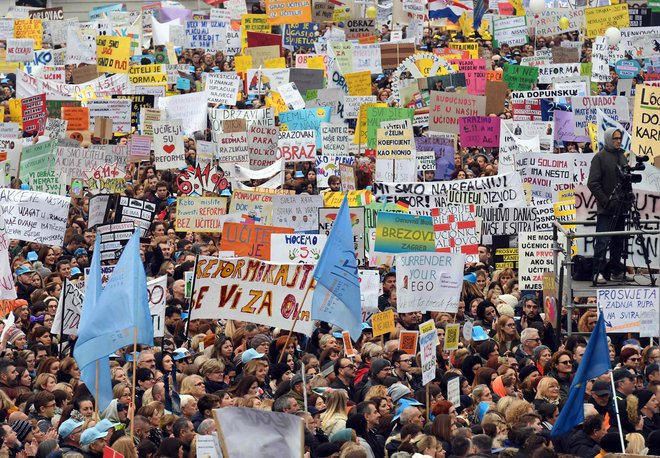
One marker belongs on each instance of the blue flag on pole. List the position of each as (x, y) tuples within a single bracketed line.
[(337, 295), (88, 373), (595, 362), (110, 318)]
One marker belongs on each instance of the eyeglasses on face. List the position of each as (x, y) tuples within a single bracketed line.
[(568, 361)]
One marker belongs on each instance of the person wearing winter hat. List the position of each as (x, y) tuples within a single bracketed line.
[(16, 338), (260, 342), (23, 431), (380, 369), (509, 299), (649, 410), (397, 391)]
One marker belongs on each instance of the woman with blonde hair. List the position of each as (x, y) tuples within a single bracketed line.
[(194, 386), (125, 446), (636, 444), (547, 391), (335, 415), (45, 382), (517, 409), (153, 412)]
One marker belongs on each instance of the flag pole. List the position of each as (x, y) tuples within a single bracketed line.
[(295, 320), (62, 326), (616, 409), (190, 304), (135, 331), (96, 389)]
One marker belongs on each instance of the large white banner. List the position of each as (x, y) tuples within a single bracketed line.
[(69, 308), (34, 216), (250, 290), (429, 282), (270, 433), (7, 290)]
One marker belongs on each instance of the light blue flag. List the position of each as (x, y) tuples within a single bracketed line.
[(594, 363), (337, 295), (110, 321), (88, 373)]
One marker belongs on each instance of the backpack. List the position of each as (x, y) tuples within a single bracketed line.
[(583, 268)]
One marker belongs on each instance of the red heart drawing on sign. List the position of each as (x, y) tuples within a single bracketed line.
[(168, 148)]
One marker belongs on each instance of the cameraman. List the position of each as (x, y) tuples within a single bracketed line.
[(605, 184)]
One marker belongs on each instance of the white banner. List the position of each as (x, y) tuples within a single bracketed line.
[(429, 282), (169, 151), (7, 290), (34, 216), (69, 308), (296, 248), (157, 291), (254, 291), (623, 306)]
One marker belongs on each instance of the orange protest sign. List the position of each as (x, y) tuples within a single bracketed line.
[(408, 342), (493, 75), (359, 83), (382, 322), (78, 117), (287, 12), (348, 345), (250, 240), (29, 28)]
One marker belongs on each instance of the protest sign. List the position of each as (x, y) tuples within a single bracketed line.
[(253, 206), (307, 119), (77, 117), (535, 252), (250, 240), (600, 18), (327, 166), (479, 131), (168, 145), (200, 214), (296, 145), (383, 323), (646, 122), (283, 436), (232, 149), (519, 77), (408, 342), (400, 233), (296, 248), (118, 110), (429, 281), (38, 167), (204, 34), (157, 292), (223, 87), (298, 212), (507, 221), (69, 308), (147, 75), (510, 30), (623, 307), (34, 216), (29, 28), (334, 139), (456, 230), (428, 355), (193, 181), (186, 107), (447, 108), (327, 219), (275, 292), (20, 49), (114, 238), (113, 54), (262, 146), (34, 114), (285, 12), (140, 212), (301, 35)]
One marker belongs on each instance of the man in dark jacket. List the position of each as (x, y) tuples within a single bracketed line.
[(585, 442), (605, 185)]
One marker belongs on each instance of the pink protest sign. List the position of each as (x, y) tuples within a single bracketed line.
[(479, 131)]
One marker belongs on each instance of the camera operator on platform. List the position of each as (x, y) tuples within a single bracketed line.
[(605, 184)]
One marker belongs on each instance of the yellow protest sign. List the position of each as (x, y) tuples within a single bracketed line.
[(171, 53), (598, 20), (451, 336), (113, 54), (646, 122), (341, 14), (243, 63), (29, 28), (359, 83), (593, 134), (84, 95), (147, 75), (253, 23), (275, 100), (287, 12), (358, 198), (316, 62), (471, 48), (360, 137), (382, 322), (16, 111), (275, 62), (425, 327), (565, 211)]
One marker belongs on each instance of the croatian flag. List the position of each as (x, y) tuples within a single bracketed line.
[(439, 9)]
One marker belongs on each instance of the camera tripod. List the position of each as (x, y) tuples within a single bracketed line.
[(627, 211)]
